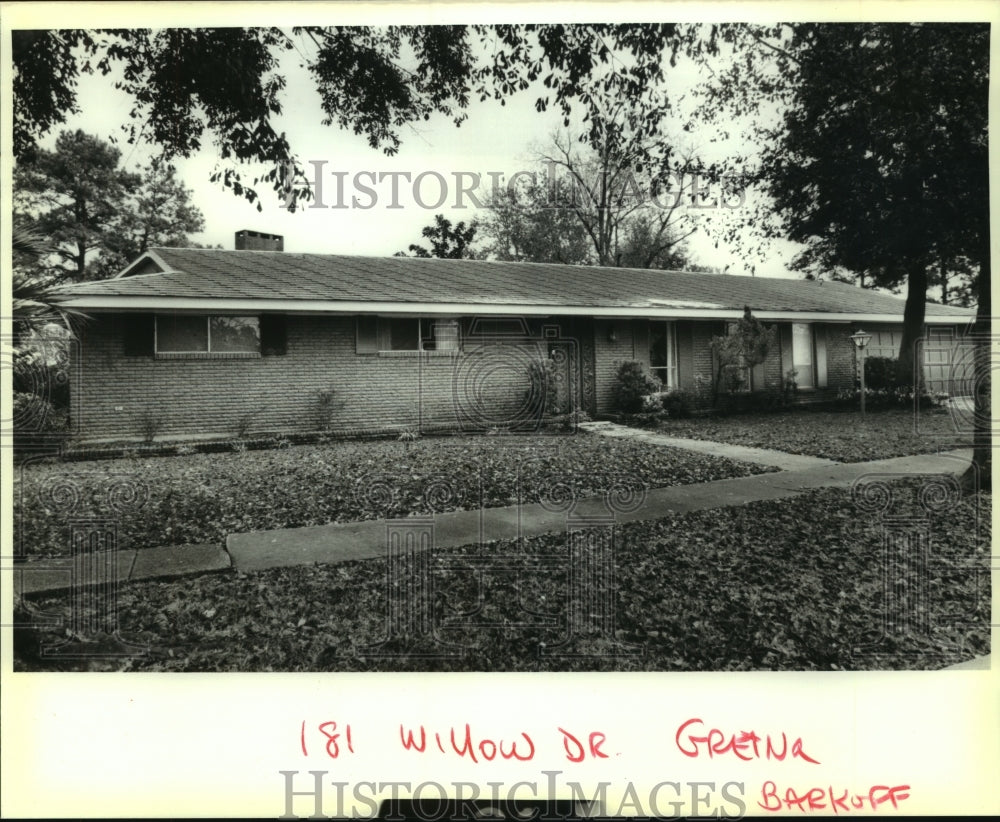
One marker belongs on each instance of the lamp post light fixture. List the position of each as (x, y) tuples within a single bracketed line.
[(861, 340)]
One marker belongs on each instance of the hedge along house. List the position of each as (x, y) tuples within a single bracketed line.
[(214, 342)]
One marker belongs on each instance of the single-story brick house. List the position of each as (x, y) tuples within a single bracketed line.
[(210, 342)]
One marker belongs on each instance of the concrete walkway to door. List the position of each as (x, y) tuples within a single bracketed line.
[(761, 456)]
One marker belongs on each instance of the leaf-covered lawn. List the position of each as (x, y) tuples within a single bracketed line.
[(841, 436), (202, 498), (794, 584)]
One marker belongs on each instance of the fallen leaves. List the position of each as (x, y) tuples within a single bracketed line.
[(794, 584), (202, 498), (843, 436)]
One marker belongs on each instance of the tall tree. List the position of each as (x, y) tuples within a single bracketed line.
[(159, 212), (953, 282), (71, 196), (879, 162), (627, 194), (525, 223), (447, 241), (96, 216)]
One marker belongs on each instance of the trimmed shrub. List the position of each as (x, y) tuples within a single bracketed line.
[(631, 386), (880, 373), (884, 389)]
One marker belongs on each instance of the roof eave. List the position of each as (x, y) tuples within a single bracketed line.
[(102, 303)]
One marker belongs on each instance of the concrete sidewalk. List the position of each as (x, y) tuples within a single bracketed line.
[(365, 540), (368, 539), (35, 576)]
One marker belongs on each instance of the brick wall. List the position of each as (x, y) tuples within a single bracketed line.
[(485, 385), (840, 369), (701, 337), (607, 355)]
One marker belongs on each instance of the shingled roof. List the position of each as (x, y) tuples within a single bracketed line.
[(179, 278)]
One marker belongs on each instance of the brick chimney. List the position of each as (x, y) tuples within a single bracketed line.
[(247, 240)]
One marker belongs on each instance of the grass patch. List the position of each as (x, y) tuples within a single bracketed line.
[(843, 436), (201, 498), (779, 585)]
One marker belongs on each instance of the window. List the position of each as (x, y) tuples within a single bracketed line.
[(198, 334), (663, 353), (403, 334), (181, 334), (378, 334), (230, 335), (802, 355), (439, 335)]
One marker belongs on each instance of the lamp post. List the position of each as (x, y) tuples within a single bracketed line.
[(861, 340)]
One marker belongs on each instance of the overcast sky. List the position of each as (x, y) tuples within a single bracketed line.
[(494, 139)]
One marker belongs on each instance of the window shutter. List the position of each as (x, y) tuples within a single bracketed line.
[(383, 337), (273, 335), (137, 335), (819, 335), (367, 339)]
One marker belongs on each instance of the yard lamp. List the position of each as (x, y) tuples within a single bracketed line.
[(861, 340)]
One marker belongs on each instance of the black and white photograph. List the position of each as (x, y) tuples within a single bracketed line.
[(499, 343)]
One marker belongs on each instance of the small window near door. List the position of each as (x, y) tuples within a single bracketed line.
[(663, 353), (802, 355), (407, 334)]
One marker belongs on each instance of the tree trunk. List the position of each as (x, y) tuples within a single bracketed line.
[(979, 473), (909, 370), (944, 283)]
